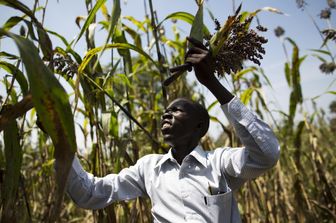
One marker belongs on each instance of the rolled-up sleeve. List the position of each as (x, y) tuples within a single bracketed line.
[(92, 192), (260, 149)]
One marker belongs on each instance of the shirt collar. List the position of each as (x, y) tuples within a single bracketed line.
[(198, 153), (165, 157)]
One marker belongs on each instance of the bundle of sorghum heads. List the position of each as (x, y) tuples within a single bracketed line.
[(65, 66), (328, 68), (330, 34), (279, 31), (242, 44), (331, 4), (325, 13), (301, 4)]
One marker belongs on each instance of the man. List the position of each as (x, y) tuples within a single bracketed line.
[(188, 184)]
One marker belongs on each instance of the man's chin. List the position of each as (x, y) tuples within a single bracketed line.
[(169, 139)]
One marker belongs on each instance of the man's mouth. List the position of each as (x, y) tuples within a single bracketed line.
[(165, 125)]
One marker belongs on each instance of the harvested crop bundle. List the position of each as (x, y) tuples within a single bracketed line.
[(236, 44), (232, 44)]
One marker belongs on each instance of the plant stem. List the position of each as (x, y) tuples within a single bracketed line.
[(160, 57)]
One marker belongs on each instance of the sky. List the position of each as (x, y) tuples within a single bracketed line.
[(298, 25)]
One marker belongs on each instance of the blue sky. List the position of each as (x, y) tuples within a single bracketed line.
[(61, 15)]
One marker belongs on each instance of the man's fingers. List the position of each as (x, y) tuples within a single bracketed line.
[(196, 43), (183, 67), (197, 50), (194, 58)]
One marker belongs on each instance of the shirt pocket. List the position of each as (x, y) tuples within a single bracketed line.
[(219, 206)]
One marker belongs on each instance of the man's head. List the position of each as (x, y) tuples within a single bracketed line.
[(184, 121)]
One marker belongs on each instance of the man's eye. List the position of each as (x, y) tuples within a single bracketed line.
[(178, 110), (174, 110)]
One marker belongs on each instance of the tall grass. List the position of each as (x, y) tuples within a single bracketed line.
[(117, 106)]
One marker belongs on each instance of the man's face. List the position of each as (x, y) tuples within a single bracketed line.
[(179, 122)]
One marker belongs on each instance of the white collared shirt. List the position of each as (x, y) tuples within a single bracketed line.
[(198, 190)]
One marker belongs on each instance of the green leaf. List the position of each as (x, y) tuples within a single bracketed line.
[(13, 155), (241, 73), (295, 71), (65, 42), (116, 11), (11, 22), (246, 95), (44, 40), (114, 126), (90, 54), (8, 56), (320, 58), (265, 77), (292, 106), (19, 6), (288, 74), (137, 23), (104, 11), (297, 138), (122, 78), (322, 52), (212, 105), (68, 46), (330, 92), (134, 34), (53, 108), (186, 17), (45, 43), (90, 18), (119, 37), (19, 76), (197, 25), (30, 30), (327, 92)]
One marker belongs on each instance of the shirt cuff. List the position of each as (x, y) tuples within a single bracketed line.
[(237, 110)]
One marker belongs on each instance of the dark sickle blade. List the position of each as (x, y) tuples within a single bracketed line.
[(172, 78), (183, 67), (176, 72)]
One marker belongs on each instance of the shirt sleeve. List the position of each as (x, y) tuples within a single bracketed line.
[(260, 149), (92, 192)]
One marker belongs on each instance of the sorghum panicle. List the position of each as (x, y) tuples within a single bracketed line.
[(279, 31), (328, 68), (242, 44), (325, 14), (331, 4), (65, 66), (301, 4), (330, 34)]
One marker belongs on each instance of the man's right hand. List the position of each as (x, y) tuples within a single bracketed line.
[(200, 58)]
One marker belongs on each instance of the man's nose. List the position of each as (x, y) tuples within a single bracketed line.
[(166, 115)]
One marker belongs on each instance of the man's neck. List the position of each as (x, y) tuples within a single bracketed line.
[(181, 151)]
